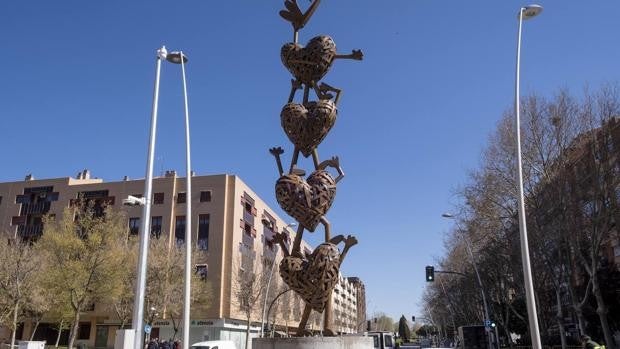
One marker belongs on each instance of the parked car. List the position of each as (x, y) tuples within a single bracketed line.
[(214, 345)]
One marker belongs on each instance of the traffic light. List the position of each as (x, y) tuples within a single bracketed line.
[(430, 273), (412, 318)]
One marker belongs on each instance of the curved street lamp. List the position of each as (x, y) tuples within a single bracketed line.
[(526, 12)]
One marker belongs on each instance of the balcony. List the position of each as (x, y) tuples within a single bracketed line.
[(247, 241), (35, 208), (29, 231)]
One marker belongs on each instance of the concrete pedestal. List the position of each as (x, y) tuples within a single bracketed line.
[(348, 342), (124, 339)]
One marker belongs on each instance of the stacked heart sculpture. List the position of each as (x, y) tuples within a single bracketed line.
[(306, 126), (309, 64), (308, 199), (313, 279)]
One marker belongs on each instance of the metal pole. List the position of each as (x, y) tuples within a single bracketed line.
[(188, 219), (262, 322), (484, 298), (145, 226), (525, 254), (450, 308)]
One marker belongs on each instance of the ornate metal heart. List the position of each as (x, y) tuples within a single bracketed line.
[(313, 278), (306, 200), (306, 126), (309, 64)]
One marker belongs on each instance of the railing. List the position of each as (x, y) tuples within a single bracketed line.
[(27, 231), (38, 208)]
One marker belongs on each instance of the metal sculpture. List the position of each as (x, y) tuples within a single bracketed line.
[(308, 199)]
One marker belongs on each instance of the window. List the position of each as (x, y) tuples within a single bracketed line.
[(156, 226), (205, 196), (84, 331), (388, 340), (18, 220), (268, 233), (248, 207), (202, 271), (181, 198), (22, 199), (179, 230), (203, 232), (158, 198), (0, 199), (134, 225), (247, 229)]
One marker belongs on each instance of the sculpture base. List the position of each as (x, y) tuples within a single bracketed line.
[(347, 342)]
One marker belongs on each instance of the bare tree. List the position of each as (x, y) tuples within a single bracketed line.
[(248, 289), (599, 210), (18, 278), (165, 281)]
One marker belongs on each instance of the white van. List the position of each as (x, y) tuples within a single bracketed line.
[(214, 345), (382, 339)]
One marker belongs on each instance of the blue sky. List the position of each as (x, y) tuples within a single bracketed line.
[(77, 80)]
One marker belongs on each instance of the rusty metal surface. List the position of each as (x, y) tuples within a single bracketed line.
[(308, 199)]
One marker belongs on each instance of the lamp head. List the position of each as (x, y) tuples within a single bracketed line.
[(162, 52), (176, 57), (531, 11)]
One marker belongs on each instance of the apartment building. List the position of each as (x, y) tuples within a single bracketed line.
[(230, 224), (345, 298)]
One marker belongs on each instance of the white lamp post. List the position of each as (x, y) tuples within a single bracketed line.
[(526, 12), (145, 226), (138, 311), (180, 58)]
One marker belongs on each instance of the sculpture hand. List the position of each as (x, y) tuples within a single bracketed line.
[(276, 151)]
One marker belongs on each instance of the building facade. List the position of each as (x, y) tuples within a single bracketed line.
[(231, 226)]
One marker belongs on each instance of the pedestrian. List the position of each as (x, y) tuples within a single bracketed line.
[(588, 343), (152, 344), (164, 345)]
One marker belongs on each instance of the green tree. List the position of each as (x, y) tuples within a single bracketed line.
[(84, 246), (403, 328), (122, 302)]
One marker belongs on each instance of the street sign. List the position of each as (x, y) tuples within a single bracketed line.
[(487, 323), (147, 329)]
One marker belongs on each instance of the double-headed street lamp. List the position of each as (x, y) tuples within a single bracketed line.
[(526, 12), (145, 226)]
